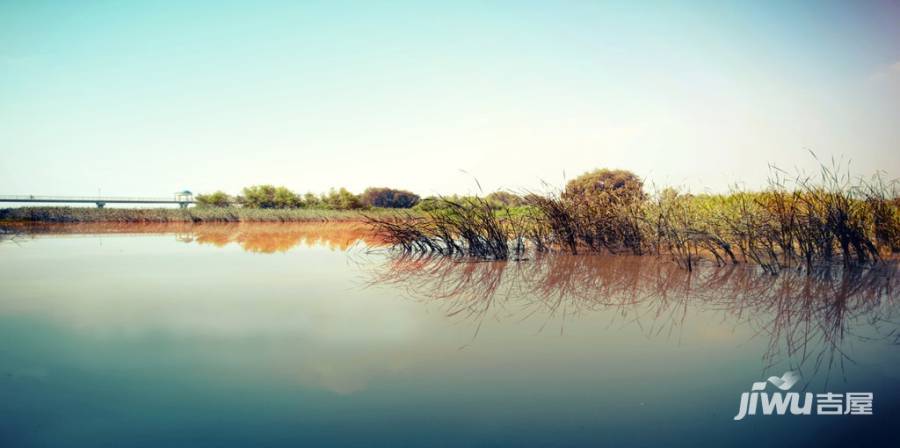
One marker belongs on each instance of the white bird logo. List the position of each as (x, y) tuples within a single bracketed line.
[(786, 381)]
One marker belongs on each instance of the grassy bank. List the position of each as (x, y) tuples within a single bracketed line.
[(195, 215)]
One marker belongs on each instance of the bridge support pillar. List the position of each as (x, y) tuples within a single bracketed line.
[(182, 205), (101, 204)]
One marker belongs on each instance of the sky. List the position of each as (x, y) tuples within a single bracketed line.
[(148, 98)]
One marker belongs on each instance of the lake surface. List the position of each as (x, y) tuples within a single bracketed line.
[(309, 335)]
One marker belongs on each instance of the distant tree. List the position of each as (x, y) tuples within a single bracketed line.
[(388, 198), (311, 200), (216, 199), (258, 196), (285, 198), (341, 200), (268, 196)]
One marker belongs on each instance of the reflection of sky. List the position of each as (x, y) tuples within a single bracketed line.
[(145, 331), (141, 98)]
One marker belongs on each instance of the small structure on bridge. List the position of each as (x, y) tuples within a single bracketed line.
[(184, 198)]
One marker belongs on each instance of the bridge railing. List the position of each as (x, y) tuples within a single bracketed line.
[(38, 198)]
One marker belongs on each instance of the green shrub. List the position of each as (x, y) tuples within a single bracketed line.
[(341, 200), (216, 199), (268, 196)]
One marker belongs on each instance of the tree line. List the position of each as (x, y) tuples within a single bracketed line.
[(279, 197)]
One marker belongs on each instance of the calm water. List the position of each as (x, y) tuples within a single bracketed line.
[(287, 335)]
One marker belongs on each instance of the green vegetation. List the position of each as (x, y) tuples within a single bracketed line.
[(340, 200), (498, 200), (272, 197), (217, 199), (267, 196), (802, 223)]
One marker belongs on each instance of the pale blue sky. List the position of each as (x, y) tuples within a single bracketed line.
[(145, 98)]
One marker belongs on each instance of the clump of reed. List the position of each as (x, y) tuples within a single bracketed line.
[(602, 223), (470, 227)]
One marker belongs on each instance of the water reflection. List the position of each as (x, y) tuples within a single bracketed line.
[(808, 320), (250, 349), (271, 238), (252, 237)]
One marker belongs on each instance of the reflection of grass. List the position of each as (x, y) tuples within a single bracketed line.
[(235, 214), (806, 316)]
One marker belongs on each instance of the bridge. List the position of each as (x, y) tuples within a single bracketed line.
[(183, 199)]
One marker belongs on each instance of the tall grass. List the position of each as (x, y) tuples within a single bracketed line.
[(794, 223), (470, 227)]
